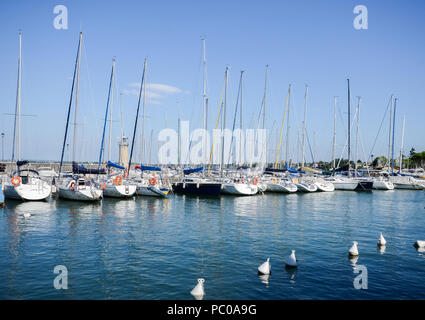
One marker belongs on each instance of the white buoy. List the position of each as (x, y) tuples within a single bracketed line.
[(265, 268), (291, 260), (198, 291), (27, 214), (382, 241), (353, 250), (420, 244)]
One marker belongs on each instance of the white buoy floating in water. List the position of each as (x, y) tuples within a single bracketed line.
[(27, 214), (265, 268), (354, 251), (198, 292), (419, 244), (382, 241), (291, 260)]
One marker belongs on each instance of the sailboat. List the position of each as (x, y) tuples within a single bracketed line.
[(114, 185), (349, 183), (77, 185), (194, 181), (235, 184), (24, 184), (150, 184)]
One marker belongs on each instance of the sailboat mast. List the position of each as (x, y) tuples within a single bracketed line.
[(334, 137), (303, 137), (392, 147), (110, 111), (70, 104), (223, 123), (241, 121), (281, 128), (106, 114), (288, 127), (142, 158), (74, 146), (142, 83), (402, 145), (349, 126), (390, 129), (17, 125), (204, 98), (357, 136)]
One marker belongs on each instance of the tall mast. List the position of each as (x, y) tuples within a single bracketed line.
[(142, 83), (142, 157), (223, 123), (357, 135), (392, 147), (303, 137), (390, 130), (349, 126), (288, 127), (334, 137), (110, 112), (70, 105), (281, 128), (106, 114), (74, 146), (178, 136), (204, 97), (17, 125), (402, 145), (241, 121)]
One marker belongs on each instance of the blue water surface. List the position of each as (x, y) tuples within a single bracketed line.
[(151, 248)]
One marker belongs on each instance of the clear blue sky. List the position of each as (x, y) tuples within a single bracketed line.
[(304, 42)]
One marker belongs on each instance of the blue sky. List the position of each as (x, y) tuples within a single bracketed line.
[(303, 42)]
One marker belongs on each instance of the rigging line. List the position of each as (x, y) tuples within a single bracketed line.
[(309, 146), (93, 107), (69, 107), (380, 127), (234, 118), (346, 141), (106, 119), (216, 125), (137, 115), (364, 153), (281, 129)]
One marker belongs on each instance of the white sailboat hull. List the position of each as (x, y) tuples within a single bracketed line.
[(240, 189), (383, 185), (35, 191), (345, 185), (324, 186), (83, 194), (119, 191), (282, 188), (151, 191), (303, 187)]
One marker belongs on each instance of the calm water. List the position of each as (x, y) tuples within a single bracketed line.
[(157, 248)]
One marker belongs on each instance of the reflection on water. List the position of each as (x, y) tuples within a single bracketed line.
[(353, 261), (265, 278), (291, 273), (152, 248)]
